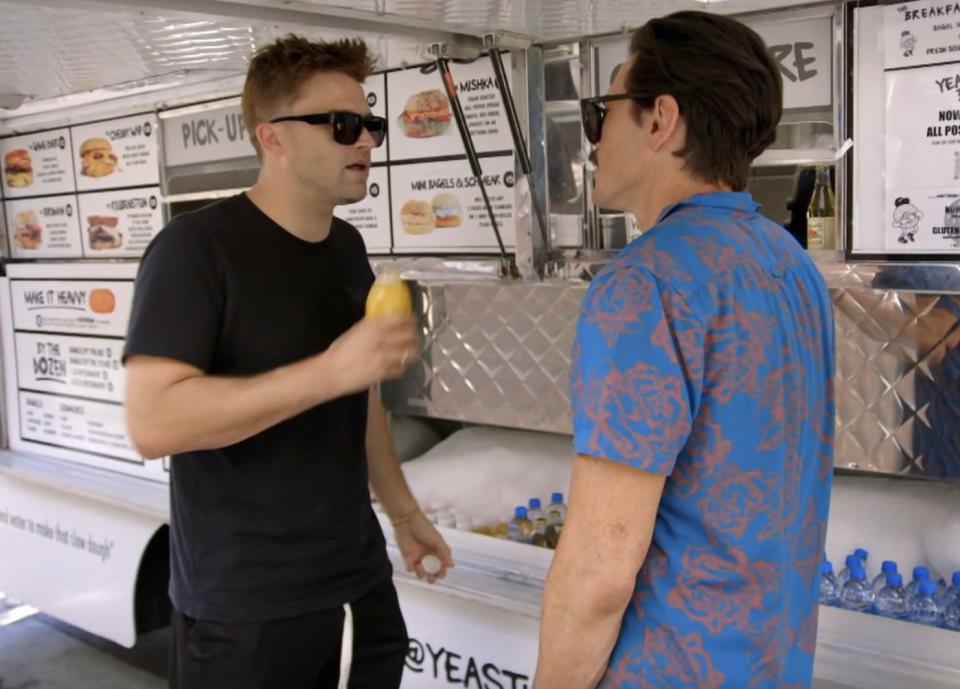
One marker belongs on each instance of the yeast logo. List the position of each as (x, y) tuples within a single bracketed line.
[(460, 669)]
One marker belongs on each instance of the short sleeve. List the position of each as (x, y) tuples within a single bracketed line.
[(177, 300), (637, 371)]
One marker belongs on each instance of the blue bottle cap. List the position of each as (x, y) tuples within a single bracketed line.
[(857, 572), (826, 568), (862, 554), (557, 497), (520, 513), (894, 579), (888, 567), (927, 588), (956, 579), (920, 573), (853, 561), (534, 503)]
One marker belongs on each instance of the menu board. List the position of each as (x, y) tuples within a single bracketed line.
[(921, 33), (72, 306), (70, 366), (62, 362), (921, 127), (375, 89), (46, 227), (421, 124), (439, 207), (37, 164), (371, 216), (120, 223), (94, 427), (116, 153)]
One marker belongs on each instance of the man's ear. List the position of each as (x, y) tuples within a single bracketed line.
[(269, 140), (667, 124)]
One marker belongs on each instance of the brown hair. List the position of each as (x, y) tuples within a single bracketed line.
[(728, 88), (278, 71)]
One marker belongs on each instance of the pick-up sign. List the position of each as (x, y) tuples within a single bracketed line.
[(206, 136)]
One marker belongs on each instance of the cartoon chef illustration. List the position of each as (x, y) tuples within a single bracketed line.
[(907, 43), (906, 218)]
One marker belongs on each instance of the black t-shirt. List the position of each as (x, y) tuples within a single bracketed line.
[(280, 524)]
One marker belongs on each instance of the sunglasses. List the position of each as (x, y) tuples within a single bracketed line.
[(347, 126), (593, 111)]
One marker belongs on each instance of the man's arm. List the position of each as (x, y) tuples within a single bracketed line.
[(415, 535), (175, 407), (605, 540)]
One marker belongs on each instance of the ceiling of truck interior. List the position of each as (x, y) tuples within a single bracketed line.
[(54, 48)]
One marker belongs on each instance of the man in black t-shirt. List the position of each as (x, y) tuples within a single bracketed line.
[(249, 362)]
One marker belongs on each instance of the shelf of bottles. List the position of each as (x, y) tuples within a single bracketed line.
[(923, 600)]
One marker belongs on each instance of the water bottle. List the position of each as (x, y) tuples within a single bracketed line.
[(851, 562), (892, 599), (953, 591), (556, 510), (539, 519), (856, 593), (880, 581), (520, 528), (829, 586), (951, 616), (925, 608), (919, 574)]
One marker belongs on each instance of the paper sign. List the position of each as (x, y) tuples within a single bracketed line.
[(47, 227), (439, 207), (921, 33), (117, 153), (37, 164), (73, 366), (372, 215), (120, 223), (81, 307)]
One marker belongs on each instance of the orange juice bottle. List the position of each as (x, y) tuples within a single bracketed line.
[(389, 295)]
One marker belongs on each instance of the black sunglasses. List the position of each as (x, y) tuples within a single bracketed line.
[(593, 111), (347, 126)]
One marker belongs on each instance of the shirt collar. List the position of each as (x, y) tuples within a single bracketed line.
[(723, 200)]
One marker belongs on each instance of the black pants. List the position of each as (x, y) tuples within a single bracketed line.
[(294, 653)]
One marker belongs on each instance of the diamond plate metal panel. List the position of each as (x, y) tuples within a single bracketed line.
[(499, 353)]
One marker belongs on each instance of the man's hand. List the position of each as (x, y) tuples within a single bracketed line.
[(418, 538), (373, 350)]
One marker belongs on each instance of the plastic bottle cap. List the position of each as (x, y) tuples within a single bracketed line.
[(857, 572), (862, 554), (853, 561), (431, 564), (927, 588), (521, 513), (888, 567), (920, 573), (894, 579), (534, 503), (826, 568), (557, 497)]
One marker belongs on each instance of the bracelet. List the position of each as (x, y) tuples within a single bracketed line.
[(405, 518)]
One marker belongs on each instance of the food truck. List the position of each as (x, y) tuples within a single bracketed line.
[(482, 197)]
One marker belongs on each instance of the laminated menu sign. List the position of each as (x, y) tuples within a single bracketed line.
[(47, 227), (70, 366), (921, 33), (37, 164), (95, 427), (439, 206), (375, 90), (119, 223), (81, 307), (371, 216), (116, 153), (421, 124), (922, 159)]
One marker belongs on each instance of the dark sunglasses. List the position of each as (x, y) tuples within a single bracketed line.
[(347, 126), (593, 111)]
